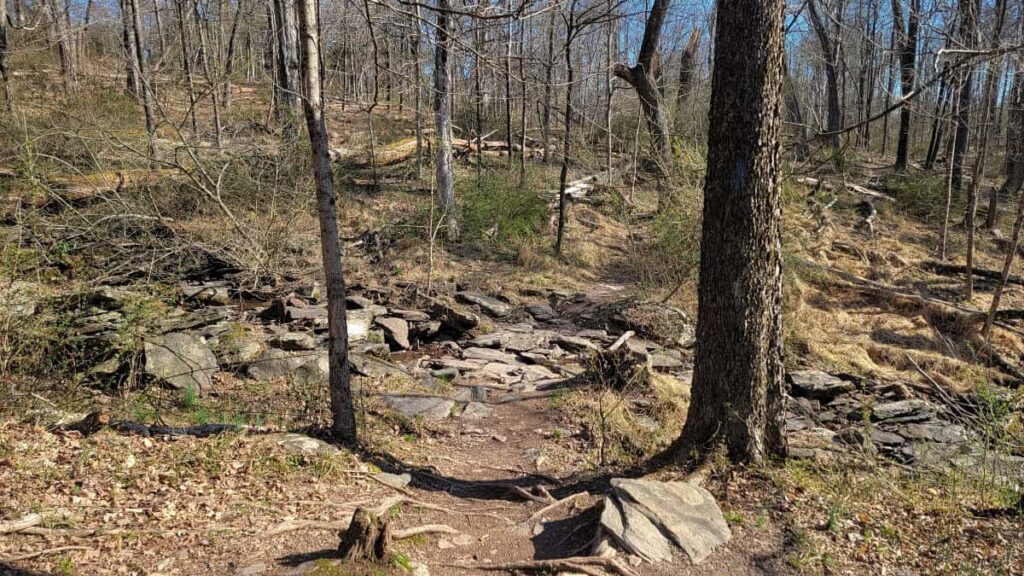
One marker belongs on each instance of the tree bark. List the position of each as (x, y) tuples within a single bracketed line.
[(145, 83), (443, 122), (830, 53), (906, 40), (969, 41), (563, 174), (312, 102), (738, 372), (644, 79), (186, 61), (287, 58)]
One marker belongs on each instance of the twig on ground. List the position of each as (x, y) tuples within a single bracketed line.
[(574, 564), (554, 505), (32, 555), (425, 529)]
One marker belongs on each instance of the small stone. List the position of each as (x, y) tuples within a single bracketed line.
[(445, 544), (499, 438), (475, 411), (463, 540), (912, 410), (540, 312), (394, 480), (302, 444)]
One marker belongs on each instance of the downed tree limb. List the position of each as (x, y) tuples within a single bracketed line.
[(947, 269), (572, 564), (425, 529), (23, 523), (32, 555), (556, 504), (855, 188)]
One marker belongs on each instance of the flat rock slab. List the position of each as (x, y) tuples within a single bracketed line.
[(426, 407), (181, 360), (686, 513), (492, 306), (912, 410), (293, 341), (396, 331), (574, 343), (489, 355), (633, 532), (302, 444), (817, 385), (372, 367)]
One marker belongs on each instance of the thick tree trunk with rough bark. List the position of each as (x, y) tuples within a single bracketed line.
[(443, 122), (738, 373), (312, 102)]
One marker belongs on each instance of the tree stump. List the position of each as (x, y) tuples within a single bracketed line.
[(367, 538)]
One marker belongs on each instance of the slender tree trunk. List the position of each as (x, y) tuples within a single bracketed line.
[(612, 55), (229, 59), (687, 63), (522, 103), (145, 83), (737, 397), (907, 42), (830, 50), (563, 175), (186, 61), (978, 172), (419, 93), (1014, 152), (443, 121), (890, 76), (65, 44), (287, 60), (5, 76), (549, 70), (204, 60), (794, 114), (478, 98), (508, 85), (312, 102), (969, 40)]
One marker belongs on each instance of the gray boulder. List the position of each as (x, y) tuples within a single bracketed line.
[(396, 331), (180, 360), (492, 306), (817, 385), (293, 341), (426, 407)]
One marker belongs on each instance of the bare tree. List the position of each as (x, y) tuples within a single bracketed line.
[(737, 381), (443, 121), (644, 78), (906, 41), (830, 48), (312, 104)]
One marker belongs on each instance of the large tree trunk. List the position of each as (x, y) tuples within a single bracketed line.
[(907, 46), (737, 397), (969, 41), (312, 103), (443, 122), (644, 78)]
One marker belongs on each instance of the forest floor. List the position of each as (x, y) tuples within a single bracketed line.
[(934, 489)]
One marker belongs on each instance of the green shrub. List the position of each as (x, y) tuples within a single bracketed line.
[(920, 196), (496, 208)]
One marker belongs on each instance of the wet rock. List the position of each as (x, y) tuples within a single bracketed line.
[(541, 312), (492, 306), (426, 407), (396, 331), (180, 360), (293, 341), (475, 411), (684, 513), (817, 385)]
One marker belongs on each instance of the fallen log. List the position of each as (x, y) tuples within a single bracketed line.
[(27, 521), (855, 188), (947, 269)]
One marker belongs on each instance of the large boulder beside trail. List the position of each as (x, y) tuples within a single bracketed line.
[(180, 360)]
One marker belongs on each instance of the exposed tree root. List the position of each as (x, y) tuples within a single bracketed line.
[(575, 564)]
